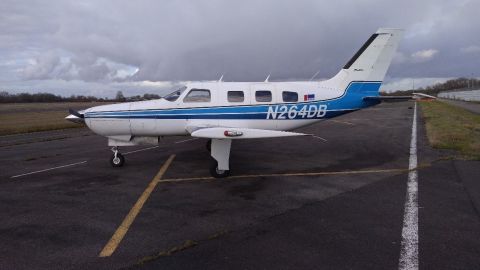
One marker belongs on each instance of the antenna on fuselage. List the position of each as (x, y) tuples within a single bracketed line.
[(268, 77), (221, 78), (314, 75)]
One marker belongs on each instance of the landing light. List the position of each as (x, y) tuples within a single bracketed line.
[(229, 133)]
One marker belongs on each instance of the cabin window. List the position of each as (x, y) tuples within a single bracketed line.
[(289, 96), (263, 96), (198, 95), (235, 96)]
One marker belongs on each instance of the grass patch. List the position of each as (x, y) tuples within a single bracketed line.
[(46, 106), (18, 118), (14, 123), (451, 127)]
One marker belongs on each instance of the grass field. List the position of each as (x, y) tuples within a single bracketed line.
[(451, 127), (31, 117)]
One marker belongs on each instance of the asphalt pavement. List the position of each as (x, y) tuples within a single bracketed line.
[(291, 203), (467, 105)]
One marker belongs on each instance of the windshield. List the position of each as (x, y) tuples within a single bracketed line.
[(175, 94)]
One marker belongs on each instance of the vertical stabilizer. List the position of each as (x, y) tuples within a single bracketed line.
[(372, 60)]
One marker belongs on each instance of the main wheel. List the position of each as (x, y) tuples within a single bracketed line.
[(117, 161), (215, 172), (209, 145)]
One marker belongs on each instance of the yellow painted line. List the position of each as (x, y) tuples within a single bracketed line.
[(291, 174), (117, 237)]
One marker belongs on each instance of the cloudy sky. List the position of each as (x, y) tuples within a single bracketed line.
[(100, 46)]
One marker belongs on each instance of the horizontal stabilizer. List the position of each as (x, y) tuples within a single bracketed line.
[(241, 133), (386, 98), (424, 96)]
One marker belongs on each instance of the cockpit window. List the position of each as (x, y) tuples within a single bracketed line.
[(198, 95), (175, 94)]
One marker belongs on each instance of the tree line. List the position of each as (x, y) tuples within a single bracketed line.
[(450, 85), (6, 97)]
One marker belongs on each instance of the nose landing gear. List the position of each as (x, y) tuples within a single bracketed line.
[(117, 159)]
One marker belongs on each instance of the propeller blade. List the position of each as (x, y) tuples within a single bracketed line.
[(77, 114)]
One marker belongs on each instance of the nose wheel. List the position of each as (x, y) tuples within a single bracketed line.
[(117, 159)]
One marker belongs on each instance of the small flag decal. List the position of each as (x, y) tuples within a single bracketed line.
[(309, 97)]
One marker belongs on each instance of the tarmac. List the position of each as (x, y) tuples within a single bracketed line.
[(336, 201)]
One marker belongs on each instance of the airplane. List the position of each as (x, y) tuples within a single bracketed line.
[(226, 111)]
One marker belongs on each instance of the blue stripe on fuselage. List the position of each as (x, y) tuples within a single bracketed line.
[(351, 100)]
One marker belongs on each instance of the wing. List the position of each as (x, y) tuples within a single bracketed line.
[(240, 133)]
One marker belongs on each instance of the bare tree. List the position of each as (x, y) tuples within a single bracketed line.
[(120, 96)]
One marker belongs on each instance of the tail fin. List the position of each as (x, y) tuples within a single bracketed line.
[(371, 62)]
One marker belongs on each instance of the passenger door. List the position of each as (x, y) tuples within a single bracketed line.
[(262, 96)]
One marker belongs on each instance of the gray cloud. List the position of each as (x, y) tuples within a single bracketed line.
[(43, 66), (86, 67), (113, 41)]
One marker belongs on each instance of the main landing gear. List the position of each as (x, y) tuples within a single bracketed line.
[(208, 145), (216, 172), (220, 152), (117, 159)]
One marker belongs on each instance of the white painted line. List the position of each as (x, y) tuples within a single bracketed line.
[(409, 245), (342, 122), (318, 137), (140, 150), (54, 168), (384, 108), (378, 118), (187, 140)]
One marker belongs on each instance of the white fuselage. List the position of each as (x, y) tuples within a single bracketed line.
[(140, 124)]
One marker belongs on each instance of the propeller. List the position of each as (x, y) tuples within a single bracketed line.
[(77, 114)]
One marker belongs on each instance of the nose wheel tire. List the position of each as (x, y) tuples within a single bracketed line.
[(215, 172), (117, 160)]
